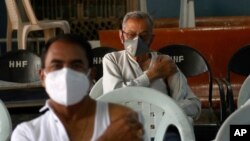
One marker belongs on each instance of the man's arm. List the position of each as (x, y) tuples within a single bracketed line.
[(184, 96), (124, 125), (178, 86), (112, 76)]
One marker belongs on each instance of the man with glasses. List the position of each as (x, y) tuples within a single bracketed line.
[(136, 65)]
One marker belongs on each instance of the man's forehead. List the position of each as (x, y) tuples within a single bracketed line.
[(133, 22), (66, 51)]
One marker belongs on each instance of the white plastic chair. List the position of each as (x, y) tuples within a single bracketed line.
[(15, 22), (244, 93), (97, 89), (5, 123), (239, 117), (158, 111)]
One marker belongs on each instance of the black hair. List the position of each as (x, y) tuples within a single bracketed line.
[(70, 38)]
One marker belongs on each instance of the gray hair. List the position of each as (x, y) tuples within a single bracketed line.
[(138, 15)]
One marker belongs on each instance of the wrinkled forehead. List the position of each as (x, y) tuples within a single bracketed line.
[(135, 18), (137, 24)]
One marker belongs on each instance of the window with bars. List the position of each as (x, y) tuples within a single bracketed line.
[(86, 17)]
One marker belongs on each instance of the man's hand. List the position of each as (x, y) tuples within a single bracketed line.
[(163, 67), (169, 66), (125, 128)]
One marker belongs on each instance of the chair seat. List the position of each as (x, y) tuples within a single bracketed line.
[(41, 25)]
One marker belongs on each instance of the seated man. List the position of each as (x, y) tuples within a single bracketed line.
[(137, 66), (71, 114)]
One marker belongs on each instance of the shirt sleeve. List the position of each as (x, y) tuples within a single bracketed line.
[(184, 96), (112, 76), (21, 133)]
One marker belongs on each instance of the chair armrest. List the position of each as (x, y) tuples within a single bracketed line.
[(229, 96)]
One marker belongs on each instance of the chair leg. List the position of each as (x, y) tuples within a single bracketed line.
[(9, 36), (49, 33)]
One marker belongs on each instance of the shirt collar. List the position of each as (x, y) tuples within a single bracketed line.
[(45, 107), (48, 107)]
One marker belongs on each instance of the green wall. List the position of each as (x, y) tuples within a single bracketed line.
[(171, 8)]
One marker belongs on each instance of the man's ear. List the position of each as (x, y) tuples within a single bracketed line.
[(42, 76), (121, 36)]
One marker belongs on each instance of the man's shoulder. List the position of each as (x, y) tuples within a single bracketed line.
[(34, 123), (116, 109), (115, 54), (28, 129), (35, 129), (119, 111), (115, 57)]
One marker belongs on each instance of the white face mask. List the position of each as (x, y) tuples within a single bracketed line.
[(66, 86), (136, 46)]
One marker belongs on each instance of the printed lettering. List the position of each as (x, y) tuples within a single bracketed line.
[(97, 60), (18, 64), (178, 59), (239, 132)]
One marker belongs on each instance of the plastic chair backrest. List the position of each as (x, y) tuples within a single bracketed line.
[(98, 54), (239, 117), (20, 11), (5, 123), (190, 62), (20, 66), (13, 12), (29, 11), (96, 90), (244, 93), (158, 111), (239, 63), (22, 18)]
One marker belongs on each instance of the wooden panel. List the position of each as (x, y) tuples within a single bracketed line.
[(110, 38), (227, 21), (216, 44)]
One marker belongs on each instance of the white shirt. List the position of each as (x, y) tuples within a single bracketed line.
[(121, 70), (48, 127)]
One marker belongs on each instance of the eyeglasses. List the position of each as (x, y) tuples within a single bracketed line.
[(131, 35)]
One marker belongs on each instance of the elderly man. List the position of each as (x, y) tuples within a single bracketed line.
[(71, 114), (136, 65)]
